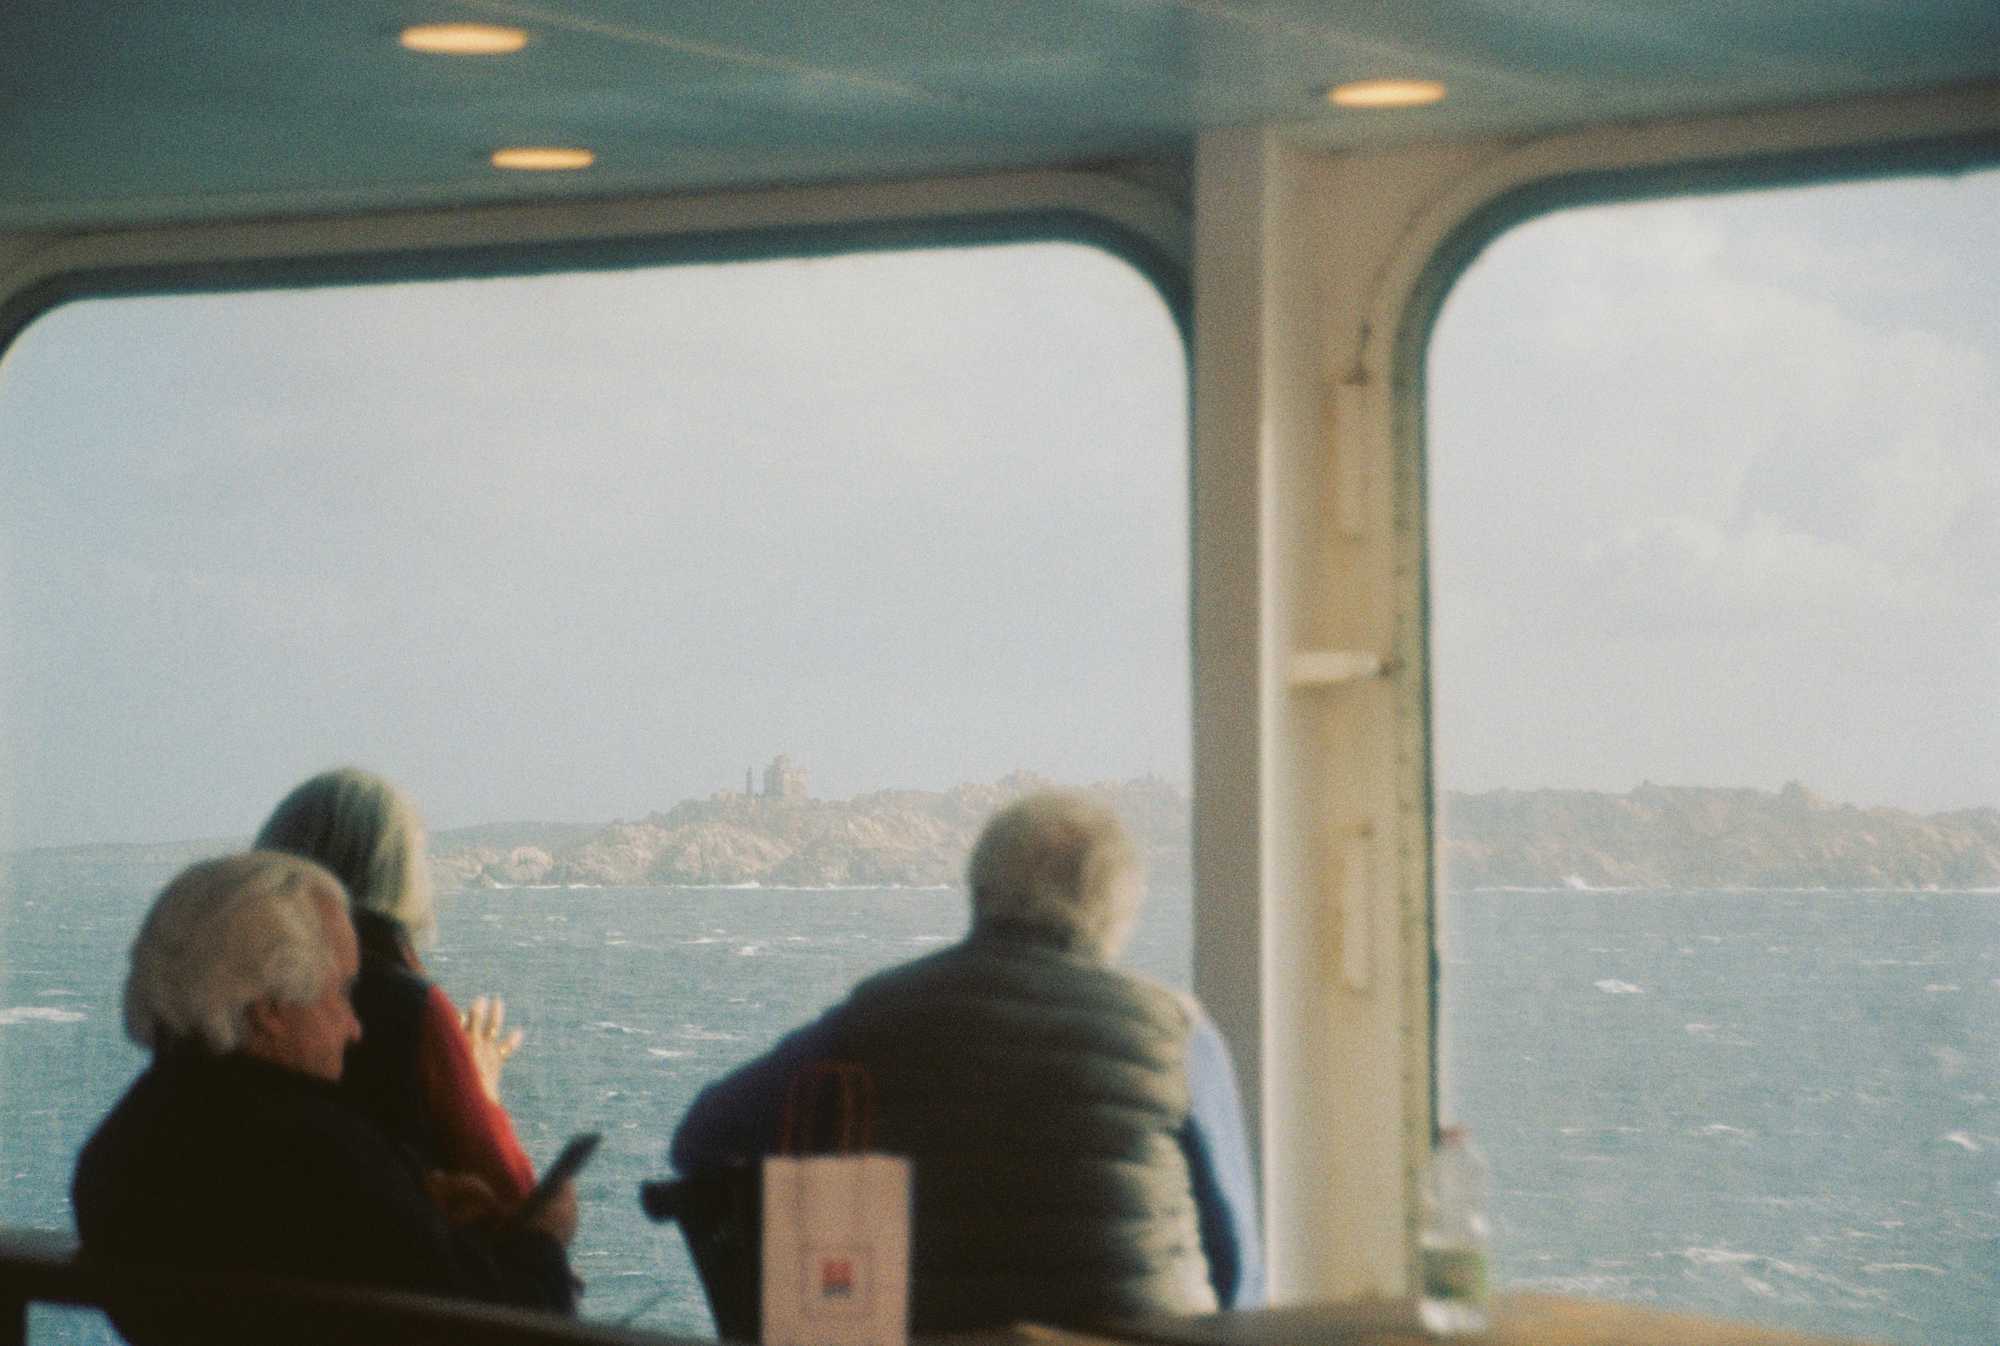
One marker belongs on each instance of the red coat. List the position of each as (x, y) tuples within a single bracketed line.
[(413, 1070)]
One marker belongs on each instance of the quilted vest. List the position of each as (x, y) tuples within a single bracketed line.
[(1040, 1095)]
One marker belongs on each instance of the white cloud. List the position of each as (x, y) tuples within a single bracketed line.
[(1754, 433), (1684, 571), (578, 546)]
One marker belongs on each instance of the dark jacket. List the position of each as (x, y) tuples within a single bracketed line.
[(1040, 1095), (1043, 1098), (227, 1163), (383, 1074)]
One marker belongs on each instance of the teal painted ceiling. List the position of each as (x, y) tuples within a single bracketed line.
[(122, 113)]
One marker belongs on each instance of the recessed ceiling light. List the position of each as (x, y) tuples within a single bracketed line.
[(464, 39), (1386, 93), (542, 158)]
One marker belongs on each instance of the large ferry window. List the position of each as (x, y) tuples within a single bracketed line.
[(706, 611), (1715, 520)]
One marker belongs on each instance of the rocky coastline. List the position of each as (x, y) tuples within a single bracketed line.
[(1693, 837), (888, 839), (1651, 837)]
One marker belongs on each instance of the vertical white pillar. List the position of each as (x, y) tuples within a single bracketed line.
[(1230, 629), (1312, 837)]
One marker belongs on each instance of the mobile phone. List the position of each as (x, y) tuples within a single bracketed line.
[(567, 1165)]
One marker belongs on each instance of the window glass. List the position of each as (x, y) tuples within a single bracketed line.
[(705, 611), (1716, 575)]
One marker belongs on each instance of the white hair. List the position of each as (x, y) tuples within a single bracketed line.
[(224, 935), (368, 833), (1062, 864)]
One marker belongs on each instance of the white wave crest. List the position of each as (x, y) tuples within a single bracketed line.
[(1612, 986), (696, 1033), (1585, 1287), (39, 1014), (1751, 1269)]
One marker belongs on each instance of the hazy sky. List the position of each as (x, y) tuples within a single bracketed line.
[(1715, 487), (579, 547), (1716, 497)]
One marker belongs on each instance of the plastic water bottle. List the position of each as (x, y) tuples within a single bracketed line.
[(1454, 1234)]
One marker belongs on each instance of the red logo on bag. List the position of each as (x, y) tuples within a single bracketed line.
[(836, 1277)]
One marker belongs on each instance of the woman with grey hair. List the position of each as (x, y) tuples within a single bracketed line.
[(428, 1074)]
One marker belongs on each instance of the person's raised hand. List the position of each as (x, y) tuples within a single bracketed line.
[(558, 1217), (464, 1198), (485, 1024)]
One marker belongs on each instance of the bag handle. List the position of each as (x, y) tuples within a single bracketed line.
[(854, 1113)]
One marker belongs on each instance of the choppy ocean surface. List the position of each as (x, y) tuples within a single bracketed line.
[(1783, 1106), (1773, 1105)]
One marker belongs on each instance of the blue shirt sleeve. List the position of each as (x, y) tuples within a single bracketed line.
[(1218, 1153)]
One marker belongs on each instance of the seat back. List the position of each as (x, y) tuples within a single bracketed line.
[(721, 1216)]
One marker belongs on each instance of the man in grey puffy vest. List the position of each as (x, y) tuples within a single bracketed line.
[(1076, 1131)]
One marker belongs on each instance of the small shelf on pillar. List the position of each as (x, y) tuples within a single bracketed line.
[(1334, 668)]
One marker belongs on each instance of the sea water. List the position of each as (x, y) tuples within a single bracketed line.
[(1773, 1105), (1776, 1106)]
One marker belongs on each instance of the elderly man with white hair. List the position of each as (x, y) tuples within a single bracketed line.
[(234, 1150), (1076, 1131)]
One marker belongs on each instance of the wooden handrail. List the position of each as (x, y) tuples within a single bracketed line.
[(1516, 1319), (43, 1267), (40, 1266)]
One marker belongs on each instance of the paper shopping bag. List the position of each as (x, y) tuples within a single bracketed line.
[(836, 1250)]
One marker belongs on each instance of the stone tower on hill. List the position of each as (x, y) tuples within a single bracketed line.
[(782, 780)]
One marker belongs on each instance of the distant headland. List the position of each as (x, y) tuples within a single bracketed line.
[(1692, 837), (776, 834), (1655, 836), (780, 836)]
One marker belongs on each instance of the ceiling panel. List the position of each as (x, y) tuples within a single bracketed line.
[(187, 108)]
